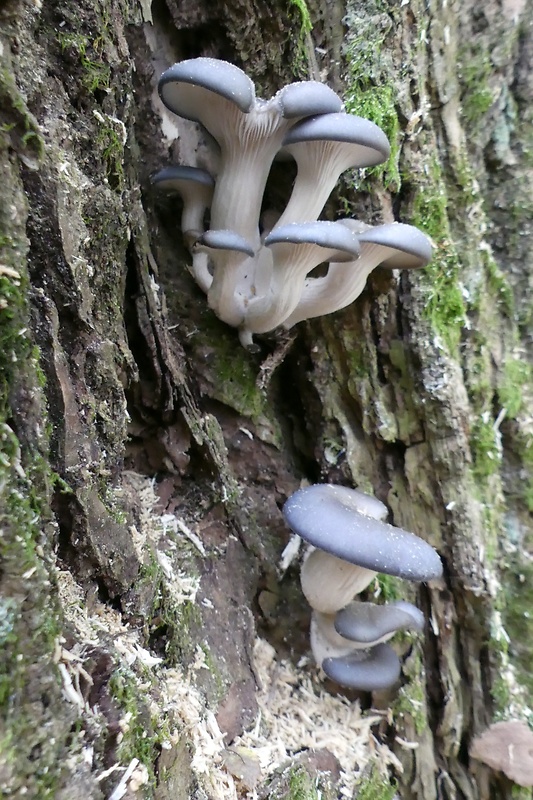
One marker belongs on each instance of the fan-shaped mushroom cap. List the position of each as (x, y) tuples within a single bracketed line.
[(222, 98), (186, 87), (296, 250), (195, 187), (306, 99), (395, 245), (324, 146), (180, 178), (361, 142), (369, 624), (324, 516), (225, 240), (368, 671), (328, 236)]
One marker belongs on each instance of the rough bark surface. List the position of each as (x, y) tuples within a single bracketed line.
[(124, 400)]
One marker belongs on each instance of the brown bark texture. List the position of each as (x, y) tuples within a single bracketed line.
[(145, 455)]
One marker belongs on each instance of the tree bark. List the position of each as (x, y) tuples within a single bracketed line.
[(146, 455)]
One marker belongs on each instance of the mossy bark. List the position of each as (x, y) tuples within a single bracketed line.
[(113, 368)]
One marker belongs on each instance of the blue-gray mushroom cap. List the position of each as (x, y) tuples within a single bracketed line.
[(368, 622), (376, 669), (326, 516)]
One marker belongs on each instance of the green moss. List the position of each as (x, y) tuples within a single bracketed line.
[(521, 793), (29, 615), (369, 80), (526, 450), (142, 735), (517, 614), (376, 103), (445, 306), (376, 787), (389, 588), (515, 376), (410, 701), (498, 283), (474, 72), (181, 620), (96, 73), (112, 148), (18, 127), (486, 453), (305, 26), (301, 786)]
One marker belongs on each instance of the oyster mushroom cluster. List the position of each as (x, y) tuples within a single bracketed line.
[(351, 543), (254, 268)]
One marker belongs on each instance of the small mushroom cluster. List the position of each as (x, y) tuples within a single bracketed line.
[(255, 267), (351, 543)]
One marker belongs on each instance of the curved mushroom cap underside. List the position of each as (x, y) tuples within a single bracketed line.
[(185, 86), (328, 235), (366, 143), (225, 240), (174, 178), (408, 247), (370, 671), (321, 515)]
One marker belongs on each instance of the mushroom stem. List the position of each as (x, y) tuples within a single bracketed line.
[(325, 146), (343, 283), (200, 270), (330, 583), (395, 245), (223, 297), (296, 249), (319, 168), (325, 641), (232, 258)]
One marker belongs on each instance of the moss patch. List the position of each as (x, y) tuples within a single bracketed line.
[(370, 91), (518, 616), (445, 306), (474, 72), (304, 24), (141, 736), (377, 787), (33, 733)]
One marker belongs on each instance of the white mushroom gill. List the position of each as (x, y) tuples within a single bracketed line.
[(262, 285), (296, 250), (394, 246)]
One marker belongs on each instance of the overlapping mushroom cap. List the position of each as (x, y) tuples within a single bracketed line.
[(222, 98), (368, 671), (352, 542), (369, 624), (296, 249), (270, 286), (394, 246), (327, 517)]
